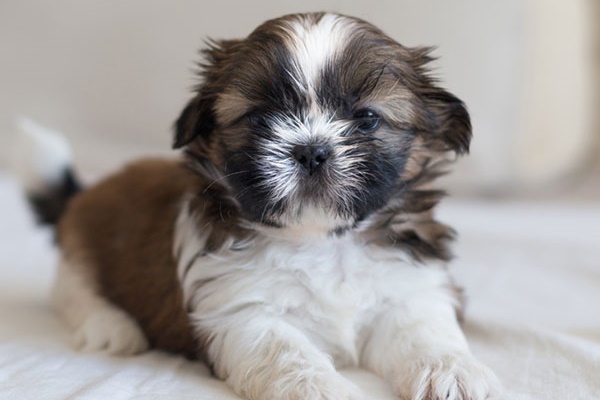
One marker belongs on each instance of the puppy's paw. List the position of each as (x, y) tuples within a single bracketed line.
[(451, 377), (110, 331)]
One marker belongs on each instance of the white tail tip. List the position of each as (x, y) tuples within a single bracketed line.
[(41, 156)]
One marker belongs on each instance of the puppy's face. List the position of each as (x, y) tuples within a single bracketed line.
[(317, 118)]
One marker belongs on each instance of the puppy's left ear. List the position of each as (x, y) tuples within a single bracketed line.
[(447, 119), (196, 119)]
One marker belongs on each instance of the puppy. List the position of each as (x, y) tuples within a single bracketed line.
[(297, 235)]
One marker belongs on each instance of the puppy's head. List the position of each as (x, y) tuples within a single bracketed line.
[(318, 119)]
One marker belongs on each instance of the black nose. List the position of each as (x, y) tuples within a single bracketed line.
[(311, 157)]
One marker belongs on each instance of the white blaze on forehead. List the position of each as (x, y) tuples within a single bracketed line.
[(313, 44)]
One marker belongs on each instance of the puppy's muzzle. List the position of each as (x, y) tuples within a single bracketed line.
[(311, 157)]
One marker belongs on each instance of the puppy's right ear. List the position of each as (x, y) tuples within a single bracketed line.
[(198, 117), (196, 120)]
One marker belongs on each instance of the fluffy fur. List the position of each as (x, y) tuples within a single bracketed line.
[(298, 237), (44, 167)]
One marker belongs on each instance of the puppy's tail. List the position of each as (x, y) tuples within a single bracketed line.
[(43, 163)]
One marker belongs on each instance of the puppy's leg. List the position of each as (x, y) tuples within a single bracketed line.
[(263, 357), (97, 324), (418, 345)]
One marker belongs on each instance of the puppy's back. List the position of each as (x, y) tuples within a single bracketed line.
[(121, 232)]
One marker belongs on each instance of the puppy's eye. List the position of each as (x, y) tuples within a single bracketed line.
[(367, 120)]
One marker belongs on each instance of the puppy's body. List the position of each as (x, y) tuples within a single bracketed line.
[(294, 238)]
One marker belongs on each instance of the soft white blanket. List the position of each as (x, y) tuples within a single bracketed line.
[(531, 271)]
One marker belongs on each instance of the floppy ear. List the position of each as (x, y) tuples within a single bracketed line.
[(198, 117), (196, 120), (448, 124), (451, 124)]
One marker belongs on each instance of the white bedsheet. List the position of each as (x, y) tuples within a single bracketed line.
[(531, 271)]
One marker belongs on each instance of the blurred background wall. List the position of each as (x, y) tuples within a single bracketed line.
[(113, 75)]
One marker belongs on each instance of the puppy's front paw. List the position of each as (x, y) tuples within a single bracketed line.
[(451, 377), (110, 331)]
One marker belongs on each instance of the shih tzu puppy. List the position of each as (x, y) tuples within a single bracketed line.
[(297, 235)]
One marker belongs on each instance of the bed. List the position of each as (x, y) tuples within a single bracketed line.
[(531, 273)]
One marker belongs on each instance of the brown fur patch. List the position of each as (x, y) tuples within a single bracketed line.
[(123, 228)]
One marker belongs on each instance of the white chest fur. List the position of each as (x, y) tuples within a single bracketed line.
[(329, 288)]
